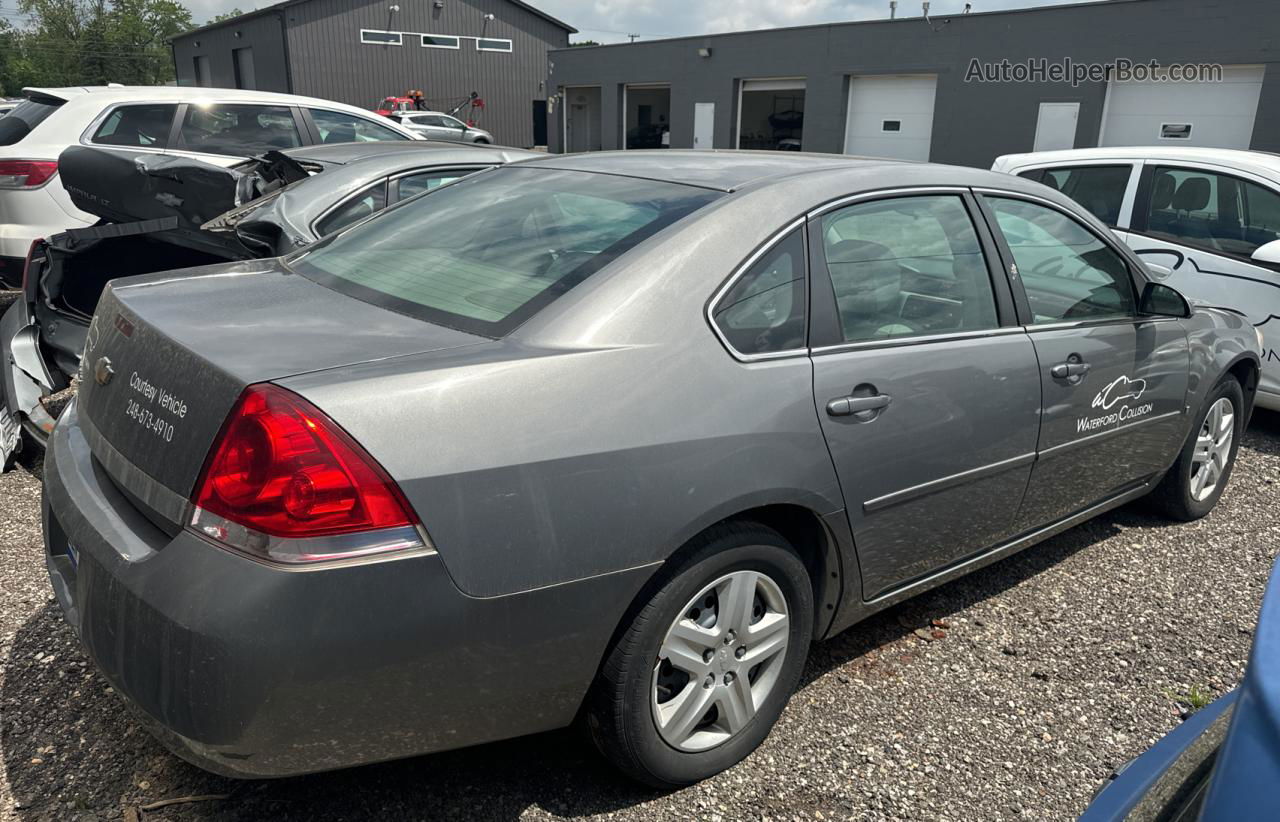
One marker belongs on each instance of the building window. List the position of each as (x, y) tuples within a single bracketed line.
[(1175, 131), (441, 41), (483, 44), (243, 59), (380, 38), (891, 125), (203, 76)]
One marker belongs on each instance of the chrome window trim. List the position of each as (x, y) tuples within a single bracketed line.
[(882, 194), (1070, 324), (920, 339), (742, 268)]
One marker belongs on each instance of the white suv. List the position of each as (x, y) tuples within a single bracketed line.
[(1204, 220), (217, 125)]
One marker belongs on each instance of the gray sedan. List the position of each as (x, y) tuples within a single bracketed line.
[(436, 125), (606, 435)]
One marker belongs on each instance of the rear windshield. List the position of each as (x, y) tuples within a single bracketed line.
[(489, 251), (22, 120)]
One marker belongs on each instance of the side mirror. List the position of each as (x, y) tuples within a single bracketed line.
[(1160, 300), (1267, 253)]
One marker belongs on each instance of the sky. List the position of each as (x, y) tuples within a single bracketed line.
[(610, 21)]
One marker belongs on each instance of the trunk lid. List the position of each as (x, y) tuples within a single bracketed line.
[(167, 356)]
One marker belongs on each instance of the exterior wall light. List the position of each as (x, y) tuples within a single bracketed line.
[(704, 52)]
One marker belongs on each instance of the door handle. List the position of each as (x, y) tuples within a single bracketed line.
[(1068, 370), (848, 406)]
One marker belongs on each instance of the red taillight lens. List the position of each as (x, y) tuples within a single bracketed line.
[(26, 173), (282, 468)]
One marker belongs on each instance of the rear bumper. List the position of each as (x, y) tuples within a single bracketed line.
[(249, 670)]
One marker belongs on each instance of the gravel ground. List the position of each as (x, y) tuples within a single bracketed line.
[(1010, 694)]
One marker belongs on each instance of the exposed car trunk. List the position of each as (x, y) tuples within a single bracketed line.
[(153, 207), (166, 360)]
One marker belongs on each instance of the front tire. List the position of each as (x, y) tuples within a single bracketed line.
[(701, 673), (1196, 481)]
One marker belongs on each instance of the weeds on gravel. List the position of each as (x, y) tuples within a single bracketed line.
[(1196, 697)]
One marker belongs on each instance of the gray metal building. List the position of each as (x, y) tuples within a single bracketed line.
[(360, 51), (907, 88)]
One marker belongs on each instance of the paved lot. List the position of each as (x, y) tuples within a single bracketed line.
[(1052, 668)]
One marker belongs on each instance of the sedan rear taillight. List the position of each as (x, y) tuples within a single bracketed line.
[(26, 173), (286, 483)]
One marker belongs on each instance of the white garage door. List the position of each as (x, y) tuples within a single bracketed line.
[(891, 116), (1220, 115)]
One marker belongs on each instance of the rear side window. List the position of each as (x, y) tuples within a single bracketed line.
[(1100, 189), (907, 266), (763, 312), (238, 130), (415, 184), (136, 126), (1068, 273), (1214, 212), (370, 201), (489, 251), (337, 127), (23, 119)]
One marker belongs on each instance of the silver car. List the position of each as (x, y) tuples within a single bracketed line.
[(612, 435), (436, 125)]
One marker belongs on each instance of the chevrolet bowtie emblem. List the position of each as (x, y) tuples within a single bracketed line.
[(102, 372)]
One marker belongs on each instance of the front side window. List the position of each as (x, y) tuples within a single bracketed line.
[(1211, 211), (907, 266), (1068, 273), (145, 126), (489, 251), (764, 310), (340, 127), (367, 202), (1100, 189), (238, 129)]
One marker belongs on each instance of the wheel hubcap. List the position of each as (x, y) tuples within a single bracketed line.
[(1213, 449), (720, 660)]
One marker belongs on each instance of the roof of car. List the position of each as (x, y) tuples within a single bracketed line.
[(1219, 156), (343, 153), (725, 170), (189, 94), (371, 166)]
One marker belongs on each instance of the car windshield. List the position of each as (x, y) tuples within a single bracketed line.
[(23, 119), (486, 253)]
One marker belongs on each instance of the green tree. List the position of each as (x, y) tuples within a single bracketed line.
[(227, 16), (91, 42)]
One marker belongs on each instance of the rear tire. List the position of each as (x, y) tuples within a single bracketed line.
[(1196, 481), (672, 724)]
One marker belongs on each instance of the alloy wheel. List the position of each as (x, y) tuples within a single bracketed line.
[(1213, 449), (720, 660)]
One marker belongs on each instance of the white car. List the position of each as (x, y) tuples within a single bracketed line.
[(1204, 220), (222, 126), (436, 125)]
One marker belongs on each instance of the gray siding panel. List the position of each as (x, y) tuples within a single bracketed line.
[(262, 34), (320, 55), (973, 122), (329, 60)]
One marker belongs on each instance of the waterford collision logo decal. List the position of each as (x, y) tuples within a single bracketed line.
[(1123, 392), (1122, 388)]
